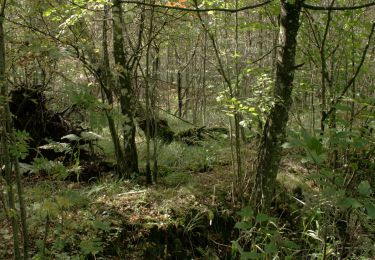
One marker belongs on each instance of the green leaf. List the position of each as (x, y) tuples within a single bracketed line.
[(262, 217), (364, 188), (359, 142), (290, 244), (48, 12), (315, 145), (349, 202), (250, 255), (236, 247), (246, 212), (242, 225), (370, 208), (271, 248)]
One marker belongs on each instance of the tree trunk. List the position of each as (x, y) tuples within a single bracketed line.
[(154, 100), (125, 91), (7, 141), (269, 155), (179, 94), (108, 87)]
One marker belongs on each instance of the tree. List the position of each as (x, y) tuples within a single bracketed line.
[(8, 157), (127, 98), (274, 131)]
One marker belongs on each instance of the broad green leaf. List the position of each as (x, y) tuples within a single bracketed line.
[(246, 212), (290, 244), (315, 145), (251, 255), (271, 248), (262, 217), (242, 225), (349, 202), (364, 188), (370, 208)]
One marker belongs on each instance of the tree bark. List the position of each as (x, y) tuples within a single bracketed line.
[(274, 131), (179, 93), (7, 140), (127, 101), (108, 87)]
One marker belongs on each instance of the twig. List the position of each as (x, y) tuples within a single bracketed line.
[(186, 9), (352, 80), (130, 193), (337, 8)]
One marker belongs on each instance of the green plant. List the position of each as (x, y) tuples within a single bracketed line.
[(345, 203), (63, 212), (261, 237), (177, 178)]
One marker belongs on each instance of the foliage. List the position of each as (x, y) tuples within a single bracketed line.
[(262, 237), (345, 202), (212, 67), (254, 108)]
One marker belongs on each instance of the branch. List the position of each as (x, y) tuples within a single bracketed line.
[(263, 56), (186, 9), (2, 9), (216, 50), (337, 8), (351, 81)]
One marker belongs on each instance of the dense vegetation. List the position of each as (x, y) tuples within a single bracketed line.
[(187, 129)]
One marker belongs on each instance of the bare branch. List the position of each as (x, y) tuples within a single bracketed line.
[(216, 51), (186, 9), (337, 8), (351, 81)]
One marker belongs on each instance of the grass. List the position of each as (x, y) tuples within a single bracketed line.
[(77, 213), (87, 219)]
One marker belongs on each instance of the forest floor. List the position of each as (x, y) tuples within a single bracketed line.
[(189, 214)]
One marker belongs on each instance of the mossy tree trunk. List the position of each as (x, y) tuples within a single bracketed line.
[(124, 87), (9, 159), (106, 78), (274, 131)]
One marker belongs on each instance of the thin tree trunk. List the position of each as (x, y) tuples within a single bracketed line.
[(154, 100), (274, 131), (107, 80), (147, 97), (6, 157), (324, 73), (179, 94), (126, 92), (204, 94)]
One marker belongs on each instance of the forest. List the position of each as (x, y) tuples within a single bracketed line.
[(187, 129)]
